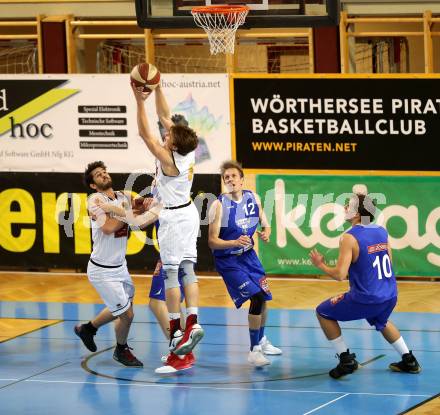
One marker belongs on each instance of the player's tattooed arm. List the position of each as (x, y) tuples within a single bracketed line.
[(215, 220), (340, 271)]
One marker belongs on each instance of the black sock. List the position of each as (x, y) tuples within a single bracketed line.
[(174, 326), (121, 347), (90, 327)]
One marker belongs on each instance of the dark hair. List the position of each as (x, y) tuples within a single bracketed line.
[(184, 139), (88, 178), (177, 119), (231, 164), (366, 207)]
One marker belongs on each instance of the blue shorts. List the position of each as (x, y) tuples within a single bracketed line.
[(343, 308), (157, 290), (243, 275)]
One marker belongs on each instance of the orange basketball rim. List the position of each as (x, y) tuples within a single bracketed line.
[(220, 23)]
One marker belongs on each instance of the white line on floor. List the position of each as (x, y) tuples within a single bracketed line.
[(153, 385), (326, 404)]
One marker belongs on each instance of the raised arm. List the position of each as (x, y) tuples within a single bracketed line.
[(214, 242), (162, 108), (340, 271), (160, 152)]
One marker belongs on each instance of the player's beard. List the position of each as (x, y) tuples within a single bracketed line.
[(106, 185)]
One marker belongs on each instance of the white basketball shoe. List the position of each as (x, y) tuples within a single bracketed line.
[(257, 358), (268, 348)]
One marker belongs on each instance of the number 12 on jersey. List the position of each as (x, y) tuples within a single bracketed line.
[(249, 209), (383, 267)]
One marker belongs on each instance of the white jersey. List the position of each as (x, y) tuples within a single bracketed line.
[(176, 190), (109, 250)]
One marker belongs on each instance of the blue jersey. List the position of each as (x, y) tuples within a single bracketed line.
[(238, 218), (372, 279)]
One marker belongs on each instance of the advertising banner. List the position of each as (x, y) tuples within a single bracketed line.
[(59, 123), (307, 212), (45, 223), (337, 123)]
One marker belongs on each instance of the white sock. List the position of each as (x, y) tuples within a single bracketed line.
[(339, 345), (192, 310), (174, 316), (400, 346)]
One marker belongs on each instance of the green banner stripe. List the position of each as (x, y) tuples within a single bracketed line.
[(408, 206)]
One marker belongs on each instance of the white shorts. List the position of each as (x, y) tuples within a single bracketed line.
[(177, 235), (114, 285)]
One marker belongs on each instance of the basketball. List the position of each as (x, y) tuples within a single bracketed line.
[(145, 75)]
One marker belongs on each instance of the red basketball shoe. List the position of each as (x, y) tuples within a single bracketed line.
[(176, 363), (193, 334)]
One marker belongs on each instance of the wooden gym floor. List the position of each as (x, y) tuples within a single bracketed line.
[(288, 294)]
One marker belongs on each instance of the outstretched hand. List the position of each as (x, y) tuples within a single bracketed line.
[(139, 93), (317, 258)]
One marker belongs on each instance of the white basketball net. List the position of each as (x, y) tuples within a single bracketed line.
[(220, 26)]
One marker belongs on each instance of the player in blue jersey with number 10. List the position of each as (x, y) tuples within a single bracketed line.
[(365, 257), (234, 218)]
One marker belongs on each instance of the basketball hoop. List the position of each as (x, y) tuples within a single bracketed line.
[(220, 24)]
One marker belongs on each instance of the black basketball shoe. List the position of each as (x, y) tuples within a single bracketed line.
[(347, 364), (408, 364), (126, 358), (86, 336)]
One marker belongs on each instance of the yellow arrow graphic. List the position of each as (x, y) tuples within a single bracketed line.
[(34, 107)]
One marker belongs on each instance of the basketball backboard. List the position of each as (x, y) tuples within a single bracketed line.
[(169, 14)]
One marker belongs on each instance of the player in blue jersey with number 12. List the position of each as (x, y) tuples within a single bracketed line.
[(365, 257), (234, 218)]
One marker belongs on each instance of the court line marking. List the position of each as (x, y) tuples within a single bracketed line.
[(33, 330), (214, 277), (285, 346), (188, 386), (36, 374), (326, 404), (245, 325), (85, 366), (420, 404)]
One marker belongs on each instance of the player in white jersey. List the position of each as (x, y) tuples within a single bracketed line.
[(179, 224), (107, 267)]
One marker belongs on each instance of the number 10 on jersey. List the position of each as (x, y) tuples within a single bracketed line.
[(383, 267)]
